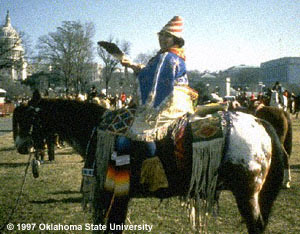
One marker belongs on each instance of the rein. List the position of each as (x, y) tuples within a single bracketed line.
[(89, 142), (19, 196)]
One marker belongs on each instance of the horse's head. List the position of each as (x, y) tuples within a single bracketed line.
[(26, 125), (22, 128)]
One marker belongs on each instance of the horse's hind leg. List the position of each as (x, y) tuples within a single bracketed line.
[(288, 150), (287, 173), (246, 192), (250, 210), (50, 141)]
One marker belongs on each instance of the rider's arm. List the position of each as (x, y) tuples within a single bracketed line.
[(134, 66)]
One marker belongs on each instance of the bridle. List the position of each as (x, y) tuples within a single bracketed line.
[(36, 126)]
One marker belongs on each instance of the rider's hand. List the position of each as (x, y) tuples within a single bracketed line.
[(126, 62)]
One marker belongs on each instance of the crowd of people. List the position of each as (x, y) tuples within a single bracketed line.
[(284, 98), (112, 102), (109, 101)]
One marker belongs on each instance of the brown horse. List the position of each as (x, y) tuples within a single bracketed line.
[(251, 167), (281, 121), (18, 123)]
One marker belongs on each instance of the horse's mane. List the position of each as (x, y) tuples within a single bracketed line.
[(73, 120), (72, 110)]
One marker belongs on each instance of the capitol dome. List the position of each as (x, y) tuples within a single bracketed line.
[(8, 33), (11, 44), (7, 30)]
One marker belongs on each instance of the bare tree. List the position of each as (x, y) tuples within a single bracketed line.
[(110, 63), (69, 50), (83, 55), (15, 90), (144, 58)]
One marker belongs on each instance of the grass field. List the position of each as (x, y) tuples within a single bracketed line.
[(54, 198)]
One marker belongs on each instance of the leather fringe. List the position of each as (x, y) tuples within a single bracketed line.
[(207, 156)]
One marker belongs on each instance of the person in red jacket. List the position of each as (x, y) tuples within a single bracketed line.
[(123, 98)]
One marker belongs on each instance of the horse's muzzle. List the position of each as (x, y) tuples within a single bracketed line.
[(23, 145)]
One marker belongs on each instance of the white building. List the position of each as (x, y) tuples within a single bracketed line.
[(12, 59), (286, 70)]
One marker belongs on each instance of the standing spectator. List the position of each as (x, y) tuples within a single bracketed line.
[(285, 98), (123, 98), (92, 93), (277, 87)]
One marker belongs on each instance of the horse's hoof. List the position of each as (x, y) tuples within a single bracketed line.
[(286, 185)]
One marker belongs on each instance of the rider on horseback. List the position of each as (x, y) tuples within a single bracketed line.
[(164, 96)]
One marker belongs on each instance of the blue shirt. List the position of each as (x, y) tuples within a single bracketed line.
[(157, 79)]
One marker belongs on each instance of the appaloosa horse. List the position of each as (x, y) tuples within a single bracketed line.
[(251, 166), (281, 121)]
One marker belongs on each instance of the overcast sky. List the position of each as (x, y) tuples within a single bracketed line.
[(218, 33)]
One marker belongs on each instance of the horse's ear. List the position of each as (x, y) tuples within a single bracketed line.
[(36, 97)]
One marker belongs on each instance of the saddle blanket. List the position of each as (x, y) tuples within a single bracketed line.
[(117, 122), (117, 180), (208, 139), (203, 128), (206, 128), (207, 132)]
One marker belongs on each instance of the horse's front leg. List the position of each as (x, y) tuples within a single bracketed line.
[(39, 155), (102, 203), (50, 141), (117, 214), (35, 164)]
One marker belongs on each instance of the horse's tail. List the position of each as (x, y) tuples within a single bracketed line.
[(289, 135), (274, 179)]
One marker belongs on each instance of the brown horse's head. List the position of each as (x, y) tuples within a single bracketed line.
[(23, 124)]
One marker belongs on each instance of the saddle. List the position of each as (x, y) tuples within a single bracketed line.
[(118, 122), (208, 143), (207, 135)]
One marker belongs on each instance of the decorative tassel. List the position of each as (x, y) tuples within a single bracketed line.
[(105, 147), (88, 188), (207, 156)]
